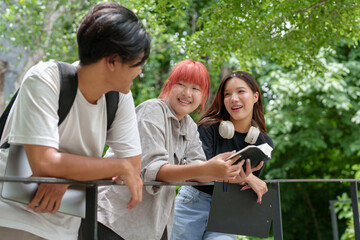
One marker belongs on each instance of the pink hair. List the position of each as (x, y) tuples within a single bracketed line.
[(188, 71)]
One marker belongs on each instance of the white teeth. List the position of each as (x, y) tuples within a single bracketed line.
[(184, 101), (237, 107)]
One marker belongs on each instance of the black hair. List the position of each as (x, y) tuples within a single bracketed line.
[(111, 29)]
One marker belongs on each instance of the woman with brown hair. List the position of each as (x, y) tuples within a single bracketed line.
[(234, 120), (171, 152)]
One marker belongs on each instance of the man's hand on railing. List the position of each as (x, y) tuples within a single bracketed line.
[(133, 181), (48, 198)]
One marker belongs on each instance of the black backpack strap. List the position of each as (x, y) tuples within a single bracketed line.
[(4, 117), (68, 88), (112, 101)]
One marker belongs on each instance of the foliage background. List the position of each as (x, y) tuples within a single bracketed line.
[(304, 54)]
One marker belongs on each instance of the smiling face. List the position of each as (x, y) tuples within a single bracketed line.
[(239, 100), (184, 98)]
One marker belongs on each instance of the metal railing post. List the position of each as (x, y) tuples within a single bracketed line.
[(355, 207), (334, 221), (277, 220), (90, 222)]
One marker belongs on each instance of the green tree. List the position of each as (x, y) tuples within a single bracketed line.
[(313, 119), (285, 31), (344, 211), (43, 29), (312, 116), (209, 30)]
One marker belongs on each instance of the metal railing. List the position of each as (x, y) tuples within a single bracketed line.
[(90, 221)]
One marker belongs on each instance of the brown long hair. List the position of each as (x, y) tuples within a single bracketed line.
[(217, 111)]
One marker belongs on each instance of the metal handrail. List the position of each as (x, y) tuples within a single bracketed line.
[(90, 222), (109, 182)]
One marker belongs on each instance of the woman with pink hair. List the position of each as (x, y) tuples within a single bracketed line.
[(171, 152)]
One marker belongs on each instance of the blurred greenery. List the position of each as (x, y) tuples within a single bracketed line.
[(303, 53), (313, 119), (344, 210)]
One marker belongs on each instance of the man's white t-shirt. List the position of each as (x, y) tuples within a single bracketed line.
[(34, 120)]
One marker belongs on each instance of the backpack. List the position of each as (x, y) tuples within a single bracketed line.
[(68, 89)]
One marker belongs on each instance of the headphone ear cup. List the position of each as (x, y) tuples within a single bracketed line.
[(252, 135), (226, 129)]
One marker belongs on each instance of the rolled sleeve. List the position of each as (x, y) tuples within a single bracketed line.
[(151, 126), (38, 101), (149, 174)]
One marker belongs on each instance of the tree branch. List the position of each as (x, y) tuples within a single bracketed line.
[(313, 6), (51, 18), (286, 17), (312, 212)]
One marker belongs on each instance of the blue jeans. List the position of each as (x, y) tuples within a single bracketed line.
[(191, 215)]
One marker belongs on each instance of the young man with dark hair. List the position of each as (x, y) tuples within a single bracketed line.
[(113, 46)]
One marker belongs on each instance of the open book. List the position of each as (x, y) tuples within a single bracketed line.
[(255, 153)]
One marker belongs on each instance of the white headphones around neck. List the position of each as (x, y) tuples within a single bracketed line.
[(227, 131)]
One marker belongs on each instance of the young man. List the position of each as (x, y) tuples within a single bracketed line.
[(113, 46)]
